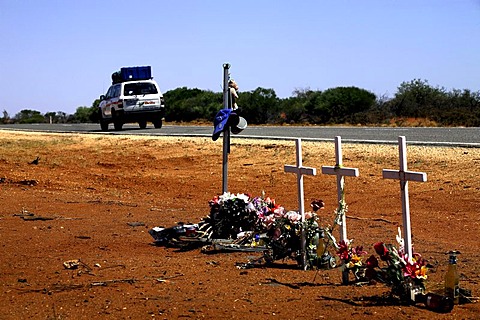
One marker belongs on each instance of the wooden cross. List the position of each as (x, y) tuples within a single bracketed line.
[(300, 171), (340, 172), (404, 176)]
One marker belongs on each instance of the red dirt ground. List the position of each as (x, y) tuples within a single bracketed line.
[(93, 187)]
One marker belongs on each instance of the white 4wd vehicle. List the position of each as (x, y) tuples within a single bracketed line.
[(132, 101)]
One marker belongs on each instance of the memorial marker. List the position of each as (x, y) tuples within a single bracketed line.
[(340, 172), (404, 176), (300, 171)]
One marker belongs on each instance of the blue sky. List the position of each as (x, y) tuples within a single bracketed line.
[(59, 55)]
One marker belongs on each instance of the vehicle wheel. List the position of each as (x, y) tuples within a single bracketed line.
[(117, 121), (157, 123), (142, 124), (117, 125), (103, 125)]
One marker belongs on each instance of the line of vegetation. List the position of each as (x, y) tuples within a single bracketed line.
[(415, 103)]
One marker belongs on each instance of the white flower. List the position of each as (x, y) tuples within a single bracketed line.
[(293, 216), (224, 197), (243, 197), (250, 206), (401, 245)]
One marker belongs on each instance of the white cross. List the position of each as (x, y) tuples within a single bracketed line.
[(340, 172), (404, 176), (300, 170)]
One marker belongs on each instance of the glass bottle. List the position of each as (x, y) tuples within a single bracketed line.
[(452, 278), (435, 302), (321, 243)]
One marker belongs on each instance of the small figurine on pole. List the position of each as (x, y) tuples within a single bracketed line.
[(232, 88), (227, 120)]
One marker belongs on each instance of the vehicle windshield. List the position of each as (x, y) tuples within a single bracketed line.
[(139, 88)]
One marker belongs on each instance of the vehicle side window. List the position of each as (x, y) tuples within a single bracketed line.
[(116, 92), (109, 93)]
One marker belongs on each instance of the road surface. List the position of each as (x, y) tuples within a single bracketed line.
[(460, 137)]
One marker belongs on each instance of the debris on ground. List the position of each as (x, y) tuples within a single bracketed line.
[(35, 161)]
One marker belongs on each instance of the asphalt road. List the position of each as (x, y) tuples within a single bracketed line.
[(461, 137)]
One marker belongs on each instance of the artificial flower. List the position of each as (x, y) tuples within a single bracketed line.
[(294, 216), (309, 215), (381, 250), (372, 262), (317, 204)]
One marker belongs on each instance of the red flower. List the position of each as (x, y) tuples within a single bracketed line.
[(344, 251), (381, 250), (213, 202), (317, 204), (372, 262), (410, 270)]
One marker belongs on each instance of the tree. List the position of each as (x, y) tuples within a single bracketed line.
[(83, 114), (6, 117), (183, 104), (418, 99), (51, 117), (339, 105), (29, 116), (259, 106), (379, 113), (299, 107)]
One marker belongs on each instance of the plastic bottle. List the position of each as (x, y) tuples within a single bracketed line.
[(435, 302), (452, 278)]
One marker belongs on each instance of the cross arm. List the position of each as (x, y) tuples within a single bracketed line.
[(404, 175), (341, 171), (301, 170)]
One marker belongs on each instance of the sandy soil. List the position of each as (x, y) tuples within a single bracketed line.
[(101, 194)]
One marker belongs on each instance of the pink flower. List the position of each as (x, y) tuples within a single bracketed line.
[(344, 251), (278, 211), (269, 220), (358, 250), (293, 216)]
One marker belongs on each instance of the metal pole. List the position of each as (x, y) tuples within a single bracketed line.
[(226, 132)]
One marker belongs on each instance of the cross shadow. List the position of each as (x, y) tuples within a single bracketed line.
[(372, 301), (298, 285)]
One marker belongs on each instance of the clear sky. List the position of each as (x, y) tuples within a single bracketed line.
[(58, 55)]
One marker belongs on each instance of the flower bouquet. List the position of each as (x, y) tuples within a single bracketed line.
[(405, 275), (351, 258), (260, 220)]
